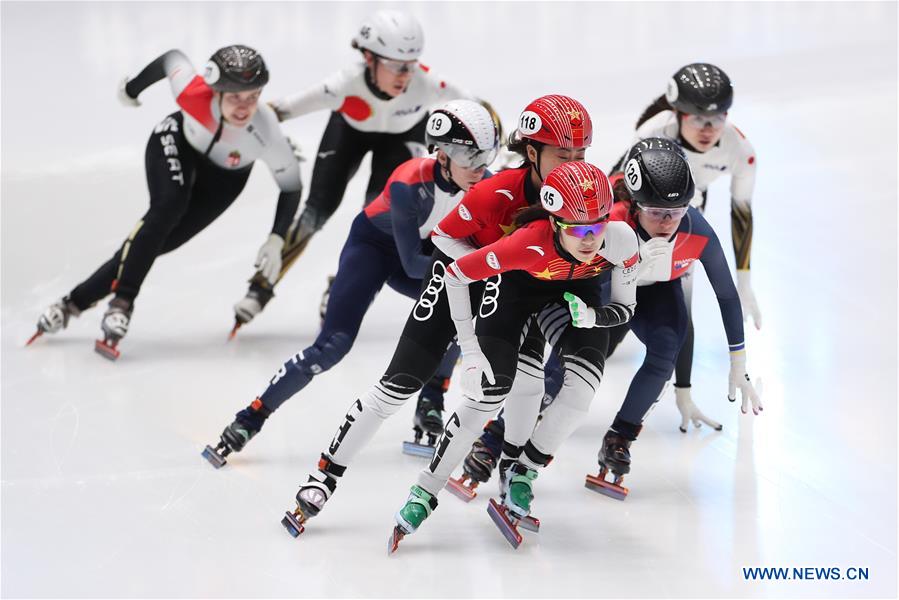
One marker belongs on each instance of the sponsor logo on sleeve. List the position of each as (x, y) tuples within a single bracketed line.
[(493, 261), (463, 212)]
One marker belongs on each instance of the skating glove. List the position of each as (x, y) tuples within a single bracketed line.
[(747, 299), (654, 251), (297, 150), (690, 412), (581, 314), (268, 261), (280, 111), (123, 96), (474, 366), (738, 378), (608, 315)]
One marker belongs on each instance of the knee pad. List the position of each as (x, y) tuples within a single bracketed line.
[(391, 393), (583, 374), (325, 353)]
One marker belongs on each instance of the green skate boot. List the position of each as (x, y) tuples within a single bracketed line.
[(418, 507)]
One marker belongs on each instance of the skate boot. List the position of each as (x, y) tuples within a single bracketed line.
[(515, 505), (55, 318), (247, 424), (313, 495), (614, 456), (428, 420), (115, 326), (326, 295), (249, 306), (418, 507), (479, 464)]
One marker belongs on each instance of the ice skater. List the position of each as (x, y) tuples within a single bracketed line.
[(552, 130), (551, 267), (197, 162), (388, 243), (379, 105)]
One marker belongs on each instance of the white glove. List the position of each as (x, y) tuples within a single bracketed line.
[(297, 150), (268, 261), (738, 378), (123, 96), (747, 299), (474, 365), (689, 411), (653, 251), (581, 314), (280, 113)]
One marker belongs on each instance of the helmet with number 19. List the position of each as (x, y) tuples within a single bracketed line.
[(465, 131)]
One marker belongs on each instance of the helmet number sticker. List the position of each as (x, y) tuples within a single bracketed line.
[(211, 73), (529, 122), (439, 124), (632, 176), (672, 92), (551, 198)]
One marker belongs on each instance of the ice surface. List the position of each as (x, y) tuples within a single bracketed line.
[(104, 492)]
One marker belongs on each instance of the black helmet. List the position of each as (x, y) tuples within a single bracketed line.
[(700, 89), (235, 68), (657, 174)]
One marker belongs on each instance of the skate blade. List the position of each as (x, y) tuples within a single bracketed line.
[(598, 484), (106, 351), (234, 329), (36, 335), (215, 459), (293, 525), (501, 520), (462, 491), (530, 523), (420, 450), (394, 540)]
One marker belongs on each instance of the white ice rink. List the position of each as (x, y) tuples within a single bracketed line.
[(104, 492)]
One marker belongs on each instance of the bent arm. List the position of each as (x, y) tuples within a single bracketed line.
[(172, 64)]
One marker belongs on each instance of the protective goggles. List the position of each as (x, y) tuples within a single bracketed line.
[(658, 214), (398, 67), (580, 230), (716, 122), (469, 157)]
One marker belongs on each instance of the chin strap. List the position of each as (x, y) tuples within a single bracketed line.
[(370, 81), (218, 131), (448, 176)]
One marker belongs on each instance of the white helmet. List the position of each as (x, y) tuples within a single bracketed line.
[(392, 34), (465, 131)]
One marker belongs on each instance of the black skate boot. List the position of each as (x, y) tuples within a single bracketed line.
[(614, 456), (258, 295), (428, 419), (115, 326), (313, 495), (55, 318), (480, 462), (246, 425)]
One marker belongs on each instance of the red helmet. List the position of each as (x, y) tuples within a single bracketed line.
[(577, 192), (557, 121)]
